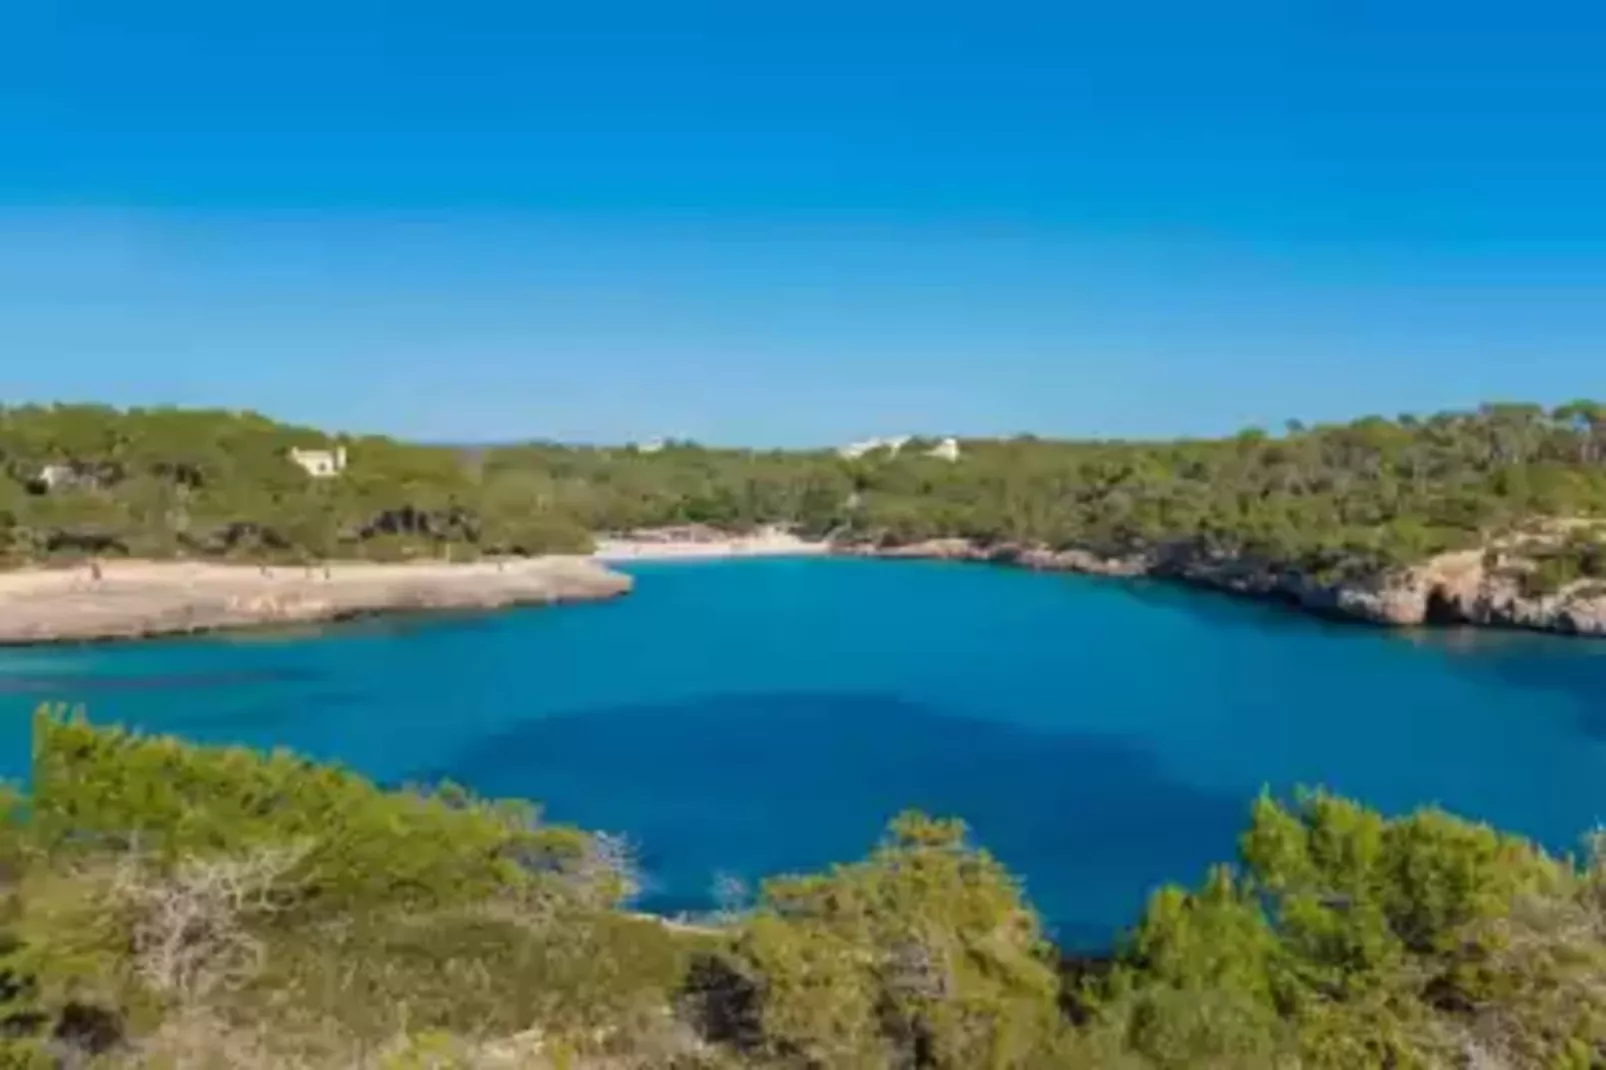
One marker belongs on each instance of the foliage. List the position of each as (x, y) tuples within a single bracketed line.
[(172, 905), (924, 954), (1353, 940), (95, 788), (151, 878), (1556, 565), (1333, 500)]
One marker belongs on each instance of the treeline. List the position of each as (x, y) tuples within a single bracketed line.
[(82, 480), (170, 905), (1355, 497)]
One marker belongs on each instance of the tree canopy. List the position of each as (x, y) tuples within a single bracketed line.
[(1366, 495), (172, 905)]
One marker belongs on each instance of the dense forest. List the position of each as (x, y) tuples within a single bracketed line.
[(1353, 497), (176, 906)]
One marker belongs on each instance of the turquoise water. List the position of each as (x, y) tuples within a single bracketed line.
[(751, 717)]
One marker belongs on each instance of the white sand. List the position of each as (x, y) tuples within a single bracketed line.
[(644, 547), (142, 598), (132, 599)]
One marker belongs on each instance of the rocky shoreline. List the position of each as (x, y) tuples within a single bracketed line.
[(1449, 589), (134, 600)]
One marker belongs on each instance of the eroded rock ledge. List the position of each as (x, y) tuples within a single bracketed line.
[(130, 600), (1477, 587)]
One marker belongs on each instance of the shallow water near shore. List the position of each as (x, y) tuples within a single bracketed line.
[(756, 716)]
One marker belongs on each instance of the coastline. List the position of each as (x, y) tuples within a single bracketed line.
[(1457, 588), (704, 546), (148, 599), (145, 599)]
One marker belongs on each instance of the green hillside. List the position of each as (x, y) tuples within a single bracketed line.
[(1350, 498)]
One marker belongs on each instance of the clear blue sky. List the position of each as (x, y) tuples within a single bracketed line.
[(771, 223)]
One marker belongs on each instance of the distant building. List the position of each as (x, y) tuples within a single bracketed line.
[(67, 475), (321, 464), (57, 475), (652, 445), (859, 449), (947, 449)]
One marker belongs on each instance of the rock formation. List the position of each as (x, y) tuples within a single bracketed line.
[(1481, 587)]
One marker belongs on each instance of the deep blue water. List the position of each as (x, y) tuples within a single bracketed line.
[(752, 717)]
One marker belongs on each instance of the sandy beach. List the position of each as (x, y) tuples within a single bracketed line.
[(133, 599), (136, 599), (665, 546)]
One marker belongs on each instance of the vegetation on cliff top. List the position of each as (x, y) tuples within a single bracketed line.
[(170, 905), (1331, 500)]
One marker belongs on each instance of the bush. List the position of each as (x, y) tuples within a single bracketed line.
[(924, 954), (183, 906), (156, 879), (98, 789), (1353, 940)]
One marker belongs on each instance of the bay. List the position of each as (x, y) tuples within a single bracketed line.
[(752, 717)]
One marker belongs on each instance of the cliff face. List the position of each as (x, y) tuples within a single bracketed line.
[(1466, 587)]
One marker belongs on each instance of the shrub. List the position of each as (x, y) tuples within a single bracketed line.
[(1353, 940), (98, 789), (924, 954), (172, 905)]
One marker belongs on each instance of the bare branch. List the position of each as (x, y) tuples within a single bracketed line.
[(189, 925)]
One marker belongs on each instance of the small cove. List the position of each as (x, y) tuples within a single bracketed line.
[(755, 716)]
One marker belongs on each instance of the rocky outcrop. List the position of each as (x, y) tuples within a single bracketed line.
[(1466, 587), (140, 599), (1469, 588)]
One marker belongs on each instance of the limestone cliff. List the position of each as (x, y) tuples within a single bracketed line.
[(1484, 586)]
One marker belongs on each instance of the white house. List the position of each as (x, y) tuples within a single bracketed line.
[(56, 475), (321, 464), (947, 449), (859, 449)]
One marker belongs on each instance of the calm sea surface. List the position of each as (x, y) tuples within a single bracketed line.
[(753, 717)]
